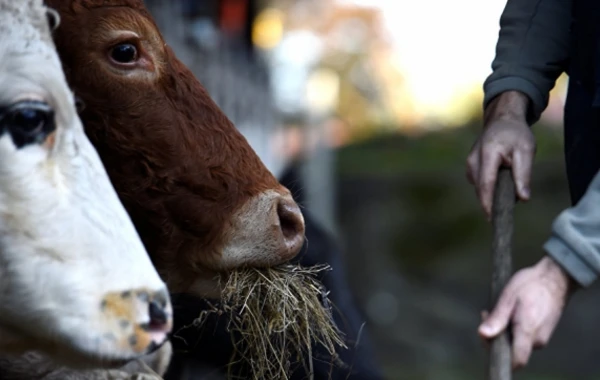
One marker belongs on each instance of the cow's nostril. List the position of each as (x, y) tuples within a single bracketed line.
[(291, 224), (158, 315)]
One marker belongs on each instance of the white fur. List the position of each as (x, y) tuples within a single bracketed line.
[(65, 239)]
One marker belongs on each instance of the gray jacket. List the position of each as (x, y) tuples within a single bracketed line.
[(532, 51)]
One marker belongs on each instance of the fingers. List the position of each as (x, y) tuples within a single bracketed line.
[(531, 306), (473, 167), (523, 343), (473, 163), (488, 173), (484, 315), (543, 335), (546, 330), (523, 333), (499, 318), (509, 143), (522, 162)]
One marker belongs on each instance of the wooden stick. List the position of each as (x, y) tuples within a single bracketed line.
[(500, 367)]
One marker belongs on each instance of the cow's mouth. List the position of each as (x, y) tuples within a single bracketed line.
[(273, 317)]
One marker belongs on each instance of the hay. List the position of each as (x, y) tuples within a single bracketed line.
[(277, 314)]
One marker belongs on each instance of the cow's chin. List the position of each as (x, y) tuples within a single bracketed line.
[(14, 344), (206, 278), (209, 283)]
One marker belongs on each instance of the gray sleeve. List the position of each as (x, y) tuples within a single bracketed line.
[(531, 52), (575, 240)]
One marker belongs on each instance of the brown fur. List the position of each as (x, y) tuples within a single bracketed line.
[(179, 165)]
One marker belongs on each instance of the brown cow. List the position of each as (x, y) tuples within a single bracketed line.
[(200, 197)]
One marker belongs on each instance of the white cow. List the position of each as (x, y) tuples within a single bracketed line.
[(75, 280)]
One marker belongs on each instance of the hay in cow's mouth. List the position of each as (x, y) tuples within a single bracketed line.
[(277, 315)]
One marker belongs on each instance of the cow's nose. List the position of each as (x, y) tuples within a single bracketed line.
[(291, 226), (144, 318), (158, 315), (159, 311), (160, 319)]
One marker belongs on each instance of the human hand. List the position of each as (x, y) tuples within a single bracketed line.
[(506, 140), (532, 302)]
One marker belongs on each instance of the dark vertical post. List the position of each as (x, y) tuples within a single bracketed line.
[(251, 13), (502, 222)]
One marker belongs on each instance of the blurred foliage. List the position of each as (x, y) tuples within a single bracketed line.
[(421, 162), (389, 153)]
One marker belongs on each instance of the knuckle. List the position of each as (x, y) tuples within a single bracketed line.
[(528, 143), (527, 147), (471, 162), (489, 150)]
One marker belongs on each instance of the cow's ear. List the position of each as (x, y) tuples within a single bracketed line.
[(53, 18), (79, 104)]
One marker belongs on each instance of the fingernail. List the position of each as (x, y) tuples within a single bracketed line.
[(525, 192), (486, 329)]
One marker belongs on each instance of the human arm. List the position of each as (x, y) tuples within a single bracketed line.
[(531, 53), (575, 240)]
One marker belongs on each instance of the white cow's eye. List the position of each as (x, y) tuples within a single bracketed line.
[(27, 120), (28, 116)]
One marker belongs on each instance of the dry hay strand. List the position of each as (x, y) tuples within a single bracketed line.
[(277, 314)]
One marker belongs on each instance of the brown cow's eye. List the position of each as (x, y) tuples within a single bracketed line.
[(124, 53)]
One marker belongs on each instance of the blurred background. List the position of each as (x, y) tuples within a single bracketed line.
[(378, 103)]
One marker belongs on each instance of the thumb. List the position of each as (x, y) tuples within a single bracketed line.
[(499, 318)]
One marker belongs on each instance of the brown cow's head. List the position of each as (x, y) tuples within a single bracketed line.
[(200, 197)]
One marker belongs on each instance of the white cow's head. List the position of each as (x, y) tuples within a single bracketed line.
[(75, 279)]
